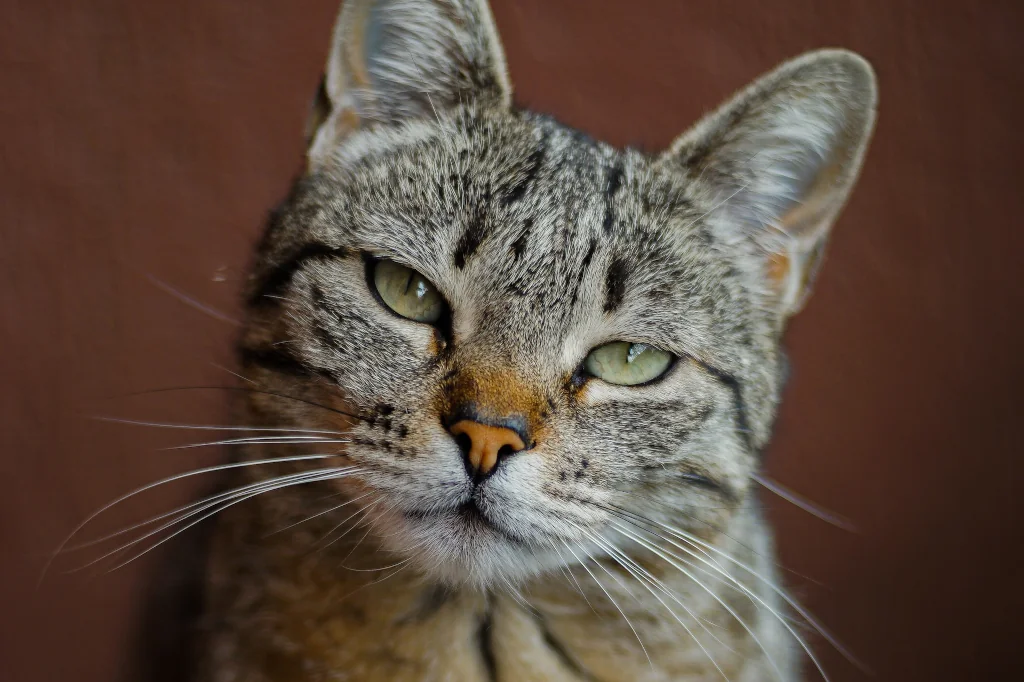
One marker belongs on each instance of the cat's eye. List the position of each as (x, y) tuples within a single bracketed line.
[(407, 292), (627, 364)]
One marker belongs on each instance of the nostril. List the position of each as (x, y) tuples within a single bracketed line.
[(505, 451), (464, 442)]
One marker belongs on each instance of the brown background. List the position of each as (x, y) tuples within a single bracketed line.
[(147, 140)]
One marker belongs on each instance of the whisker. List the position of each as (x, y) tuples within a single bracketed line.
[(164, 481), (387, 577), (358, 512), (517, 596), (619, 556), (259, 440), (720, 531), (643, 523), (615, 553), (805, 504), (795, 605), (611, 599), (233, 373), (369, 527), (653, 548), (205, 501), (376, 582), (243, 389), (750, 593), (310, 518), (375, 570), (324, 477), (277, 297), (188, 300), (568, 571), (266, 486), (215, 427)]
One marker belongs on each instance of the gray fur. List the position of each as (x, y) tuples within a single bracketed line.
[(546, 244)]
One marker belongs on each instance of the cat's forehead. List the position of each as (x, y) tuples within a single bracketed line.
[(532, 226)]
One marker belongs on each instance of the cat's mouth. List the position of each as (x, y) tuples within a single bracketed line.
[(469, 514), (476, 536)]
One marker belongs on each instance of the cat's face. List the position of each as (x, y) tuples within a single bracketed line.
[(540, 335)]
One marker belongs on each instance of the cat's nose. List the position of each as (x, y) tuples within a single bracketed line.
[(484, 445)]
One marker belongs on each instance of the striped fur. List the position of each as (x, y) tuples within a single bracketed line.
[(621, 545)]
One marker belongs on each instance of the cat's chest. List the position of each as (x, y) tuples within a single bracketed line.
[(385, 627)]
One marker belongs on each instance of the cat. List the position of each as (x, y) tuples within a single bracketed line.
[(508, 386)]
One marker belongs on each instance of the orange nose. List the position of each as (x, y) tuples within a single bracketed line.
[(486, 444)]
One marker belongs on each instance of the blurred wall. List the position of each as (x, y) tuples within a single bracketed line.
[(143, 143)]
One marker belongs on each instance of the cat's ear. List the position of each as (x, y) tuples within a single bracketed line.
[(778, 162), (395, 60)]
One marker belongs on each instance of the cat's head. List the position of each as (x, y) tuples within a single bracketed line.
[(543, 336)]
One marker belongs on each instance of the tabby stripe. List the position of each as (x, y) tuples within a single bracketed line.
[(487, 648), (738, 403), (584, 266), (615, 284), (274, 359), (471, 239), (559, 650), (611, 189), (518, 188), (277, 279), (432, 601), (519, 245)]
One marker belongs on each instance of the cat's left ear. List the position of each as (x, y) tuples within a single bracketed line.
[(396, 60), (778, 161)]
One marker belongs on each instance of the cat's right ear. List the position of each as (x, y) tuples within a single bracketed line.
[(396, 60), (778, 162)]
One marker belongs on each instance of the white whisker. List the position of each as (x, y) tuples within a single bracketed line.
[(215, 427), (802, 503), (265, 486), (795, 605), (233, 373), (375, 570), (567, 570), (260, 440), (644, 577), (164, 481), (610, 599), (357, 512), (516, 595), (310, 518), (749, 592), (212, 499), (185, 298), (654, 548), (323, 477), (369, 527)]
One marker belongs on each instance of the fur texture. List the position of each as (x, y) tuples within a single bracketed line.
[(624, 543)]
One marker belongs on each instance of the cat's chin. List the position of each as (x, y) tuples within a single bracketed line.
[(462, 547)]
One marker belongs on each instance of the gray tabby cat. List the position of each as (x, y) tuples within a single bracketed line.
[(521, 378)]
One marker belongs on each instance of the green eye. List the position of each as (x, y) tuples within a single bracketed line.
[(627, 364), (407, 292)]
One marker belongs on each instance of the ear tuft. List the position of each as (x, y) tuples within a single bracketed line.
[(779, 161), (399, 60)]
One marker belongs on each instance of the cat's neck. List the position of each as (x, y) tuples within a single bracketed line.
[(322, 602)]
